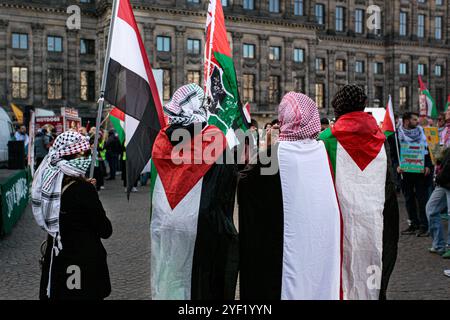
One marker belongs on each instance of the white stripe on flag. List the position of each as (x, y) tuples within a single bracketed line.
[(125, 48), (131, 125)]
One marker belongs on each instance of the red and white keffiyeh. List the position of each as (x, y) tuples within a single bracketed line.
[(299, 118)]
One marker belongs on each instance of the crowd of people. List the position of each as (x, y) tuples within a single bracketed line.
[(316, 229)]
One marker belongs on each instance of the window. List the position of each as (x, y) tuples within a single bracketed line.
[(421, 26), (275, 53), (163, 44), (299, 84), (274, 6), (249, 51), (224, 3), (19, 41), (193, 1), (85, 1), (359, 67), (54, 44), (249, 88), (274, 89), (320, 64), (379, 94), (340, 19), (359, 21), (298, 7), (87, 85), (403, 68), (340, 65), (403, 24), (403, 98), (440, 102), (378, 68), (54, 84), (299, 55), (421, 69), (19, 83), (167, 86), (193, 46), (249, 4), (439, 2), (320, 95), (87, 46), (193, 77), (320, 13), (438, 28), (438, 70)]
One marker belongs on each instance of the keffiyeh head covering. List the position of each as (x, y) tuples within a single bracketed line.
[(299, 118), (349, 98), (187, 106), (47, 182)]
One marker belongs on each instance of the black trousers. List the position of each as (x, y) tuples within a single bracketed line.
[(113, 161), (415, 190)]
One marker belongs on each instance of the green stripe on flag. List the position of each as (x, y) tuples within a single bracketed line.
[(118, 126), (330, 142)]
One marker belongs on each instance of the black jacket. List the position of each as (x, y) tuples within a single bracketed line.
[(83, 223), (443, 178)]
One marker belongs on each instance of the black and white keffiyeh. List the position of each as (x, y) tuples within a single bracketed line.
[(47, 182), (187, 106)]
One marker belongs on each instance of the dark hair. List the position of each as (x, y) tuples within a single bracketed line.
[(409, 115), (254, 123), (275, 121), (324, 121)]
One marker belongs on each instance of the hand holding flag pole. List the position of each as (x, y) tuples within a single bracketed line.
[(101, 100)]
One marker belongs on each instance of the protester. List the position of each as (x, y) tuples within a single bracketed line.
[(21, 135), (439, 201), (441, 123), (194, 243), (360, 159), (83, 131), (99, 168), (41, 146), (113, 151), (414, 184), (67, 207), (324, 124), (289, 219)]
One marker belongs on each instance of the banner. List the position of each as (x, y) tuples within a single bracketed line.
[(412, 157), (432, 134), (14, 196)]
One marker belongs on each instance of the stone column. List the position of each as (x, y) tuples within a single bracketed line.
[(237, 55), (149, 41), (179, 56), (3, 62), (287, 66), (370, 76), (263, 101), (72, 84), (330, 86), (311, 68), (37, 73)]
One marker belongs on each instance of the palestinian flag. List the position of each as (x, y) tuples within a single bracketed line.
[(431, 104), (389, 120), (448, 103), (220, 76), (131, 87), (359, 159), (194, 243), (289, 226), (117, 118)]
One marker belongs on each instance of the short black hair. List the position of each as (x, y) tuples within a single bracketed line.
[(254, 123), (275, 121), (409, 115)]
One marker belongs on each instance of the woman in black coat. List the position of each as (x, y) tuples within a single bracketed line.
[(83, 223), (66, 205)]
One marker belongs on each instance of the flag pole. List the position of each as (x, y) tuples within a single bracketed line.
[(101, 100)]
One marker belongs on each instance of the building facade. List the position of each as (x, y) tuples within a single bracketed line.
[(312, 46)]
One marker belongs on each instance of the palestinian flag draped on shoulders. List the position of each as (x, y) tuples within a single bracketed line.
[(131, 87), (194, 254), (227, 112), (366, 194)]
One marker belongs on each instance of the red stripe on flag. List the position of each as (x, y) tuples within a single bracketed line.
[(117, 113), (125, 13)]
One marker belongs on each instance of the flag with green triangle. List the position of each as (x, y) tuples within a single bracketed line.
[(431, 104), (117, 118)]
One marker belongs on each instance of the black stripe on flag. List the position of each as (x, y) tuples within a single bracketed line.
[(130, 93)]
